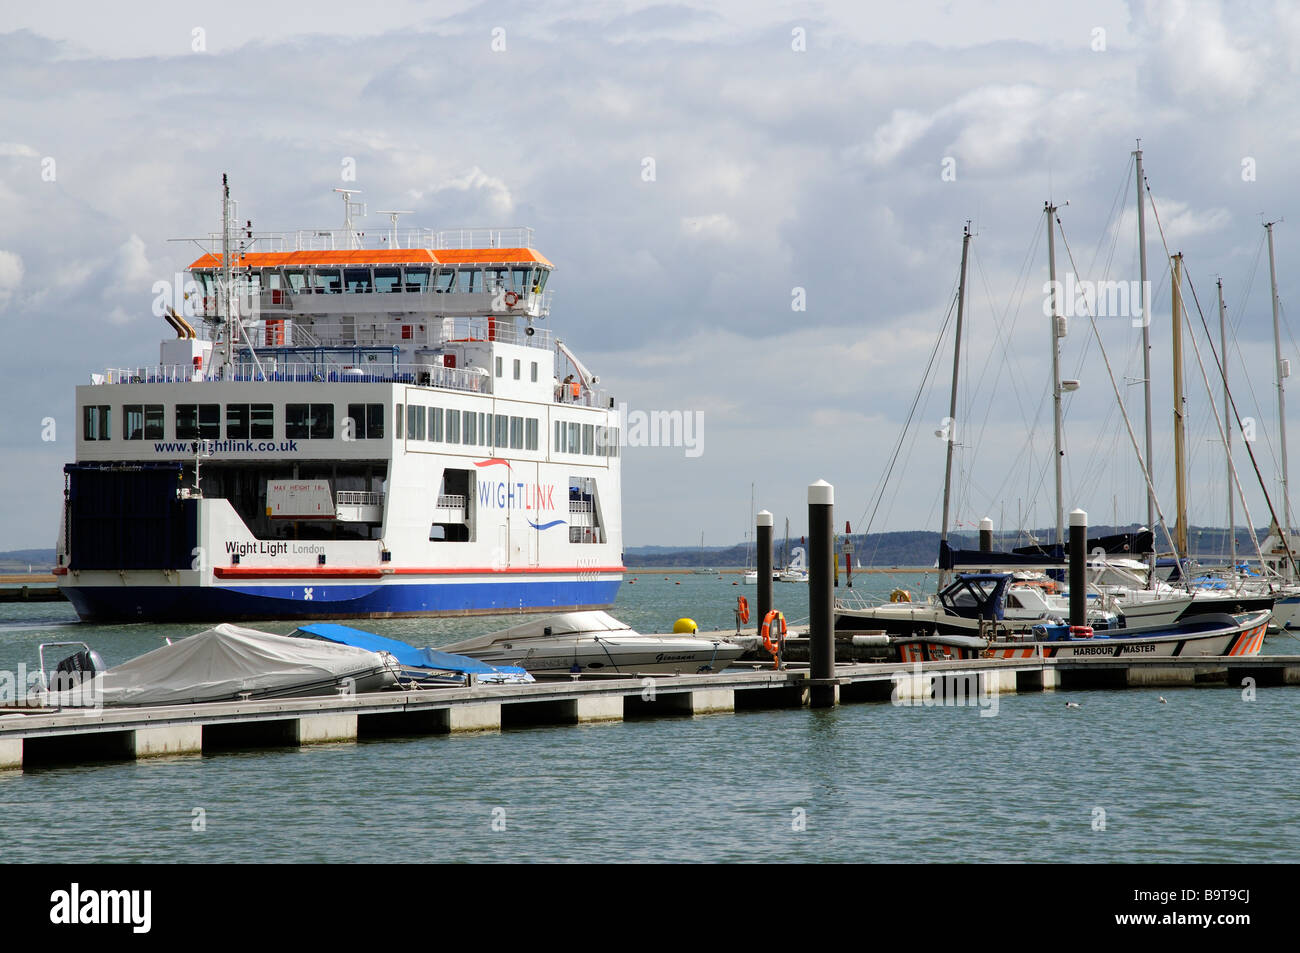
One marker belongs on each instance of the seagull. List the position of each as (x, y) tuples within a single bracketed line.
[(1072, 705), (1163, 700)]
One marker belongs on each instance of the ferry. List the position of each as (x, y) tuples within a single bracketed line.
[(347, 423)]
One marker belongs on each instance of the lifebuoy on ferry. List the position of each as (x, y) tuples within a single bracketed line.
[(900, 595), (742, 610), (512, 299), (773, 620)]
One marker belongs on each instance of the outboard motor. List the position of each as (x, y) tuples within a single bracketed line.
[(76, 668)]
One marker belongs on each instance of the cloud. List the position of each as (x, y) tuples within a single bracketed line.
[(11, 275)]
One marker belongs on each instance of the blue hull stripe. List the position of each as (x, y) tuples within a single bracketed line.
[(331, 601)]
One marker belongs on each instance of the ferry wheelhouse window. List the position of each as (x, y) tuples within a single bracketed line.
[(97, 422), (309, 421), (250, 420), (142, 422), (367, 421), (417, 280), (453, 426), (388, 280), (516, 433), (296, 279), (503, 431), (443, 282), (357, 280), (521, 280), (326, 281), (588, 441), (530, 433), (435, 424), (198, 421), (575, 438), (469, 281)]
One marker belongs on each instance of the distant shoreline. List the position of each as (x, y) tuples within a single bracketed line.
[(680, 571)]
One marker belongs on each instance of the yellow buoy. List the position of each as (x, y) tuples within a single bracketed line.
[(685, 625)]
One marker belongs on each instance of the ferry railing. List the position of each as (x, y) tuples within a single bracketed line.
[(586, 398), (451, 501), (438, 332), (358, 498), (469, 380), (380, 237)]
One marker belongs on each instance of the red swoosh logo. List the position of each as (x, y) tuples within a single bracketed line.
[(493, 462)]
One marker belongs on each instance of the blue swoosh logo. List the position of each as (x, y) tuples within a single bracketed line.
[(545, 525)]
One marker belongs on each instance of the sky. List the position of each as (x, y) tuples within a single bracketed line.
[(755, 209)]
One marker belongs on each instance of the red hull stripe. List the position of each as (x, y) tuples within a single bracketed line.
[(327, 572)]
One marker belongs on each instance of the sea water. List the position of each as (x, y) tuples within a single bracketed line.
[(1210, 775)]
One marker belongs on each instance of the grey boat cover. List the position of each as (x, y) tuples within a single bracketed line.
[(226, 661), (592, 622)]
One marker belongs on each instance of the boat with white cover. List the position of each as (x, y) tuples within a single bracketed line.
[(588, 642)]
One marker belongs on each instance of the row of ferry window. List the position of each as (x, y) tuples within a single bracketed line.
[(586, 439), (390, 279), (316, 422), (243, 422), (469, 428)]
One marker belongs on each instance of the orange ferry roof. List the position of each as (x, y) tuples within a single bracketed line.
[(379, 256)]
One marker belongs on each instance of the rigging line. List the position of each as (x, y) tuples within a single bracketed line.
[(1286, 543), (1222, 435), (1234, 326), (884, 480), (1006, 349), (1164, 525)]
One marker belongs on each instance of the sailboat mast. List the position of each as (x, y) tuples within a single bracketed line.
[(1057, 321), (1281, 370), (1143, 305), (1180, 415), (952, 403), (1227, 425)]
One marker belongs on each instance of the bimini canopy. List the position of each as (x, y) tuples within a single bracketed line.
[(227, 661)]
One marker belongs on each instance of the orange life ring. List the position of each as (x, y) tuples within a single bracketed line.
[(765, 630), (512, 299), (742, 610)]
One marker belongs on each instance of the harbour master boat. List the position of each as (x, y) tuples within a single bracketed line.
[(971, 621), (347, 423)]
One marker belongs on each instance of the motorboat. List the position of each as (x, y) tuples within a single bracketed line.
[(223, 663), (594, 641)]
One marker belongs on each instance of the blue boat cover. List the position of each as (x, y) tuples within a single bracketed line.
[(407, 655)]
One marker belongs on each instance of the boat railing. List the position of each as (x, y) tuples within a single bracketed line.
[(469, 380), (581, 506), (358, 498), (379, 237), (451, 501), (585, 398), (279, 302)]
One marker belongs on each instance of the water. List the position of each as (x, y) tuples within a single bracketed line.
[(1206, 777)]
